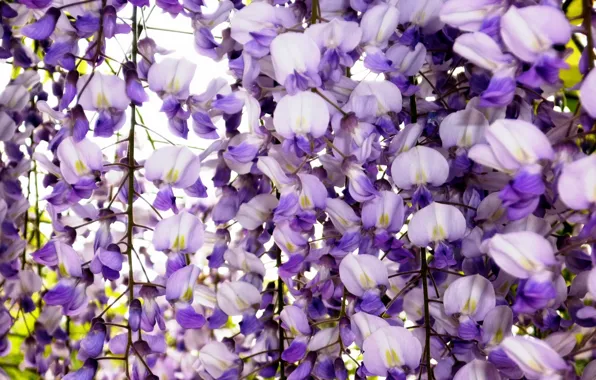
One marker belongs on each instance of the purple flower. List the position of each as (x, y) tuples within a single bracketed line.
[(180, 285), (257, 24), (102, 92), (469, 15), (378, 24), (86, 372), (175, 166), (44, 27), (294, 319), (436, 223), (535, 357), (370, 100), (392, 350), (78, 160), (587, 88), (257, 211), (108, 262), (361, 273), (463, 128), (576, 184), (477, 370), (181, 233), (216, 359), (236, 298), (484, 52), (521, 254), (302, 114), (511, 145), (419, 166), (471, 296), (296, 60), (497, 325), (532, 31), (171, 77), (385, 212)]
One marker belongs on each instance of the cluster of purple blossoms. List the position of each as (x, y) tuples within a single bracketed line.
[(400, 188)]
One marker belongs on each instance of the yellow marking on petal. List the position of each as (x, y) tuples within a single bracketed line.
[(466, 139), (420, 18), (80, 167), (245, 266), (172, 175), (294, 331), (525, 263), (421, 177), (392, 358), (187, 296), (366, 281), (290, 247), (102, 101), (498, 336), (241, 304), (534, 365), (381, 108), (470, 306), (384, 220), (301, 125), (305, 201), (179, 243), (521, 155), (438, 233), (497, 215), (174, 85), (62, 269)]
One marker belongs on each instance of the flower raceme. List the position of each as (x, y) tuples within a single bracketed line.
[(402, 189)]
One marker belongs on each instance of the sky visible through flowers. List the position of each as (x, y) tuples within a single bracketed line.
[(311, 189)]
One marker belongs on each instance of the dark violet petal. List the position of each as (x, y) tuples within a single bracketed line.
[(165, 199), (134, 315), (377, 63), (93, 342), (178, 127), (295, 351), (105, 125), (188, 318), (250, 324), (499, 93), (60, 294), (44, 27), (371, 303), (46, 255), (86, 372), (217, 319), (197, 190), (140, 3), (302, 371)]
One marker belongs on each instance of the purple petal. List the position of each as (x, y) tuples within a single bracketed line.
[(44, 27)]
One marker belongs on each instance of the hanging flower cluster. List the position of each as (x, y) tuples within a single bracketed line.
[(403, 189)]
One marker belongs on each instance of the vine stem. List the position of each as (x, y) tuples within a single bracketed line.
[(587, 24), (314, 12), (280, 303), (424, 272), (131, 190), (413, 111)]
